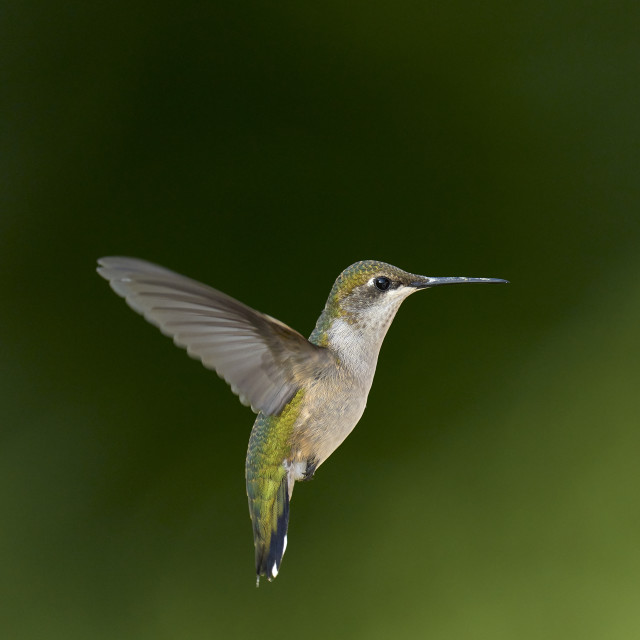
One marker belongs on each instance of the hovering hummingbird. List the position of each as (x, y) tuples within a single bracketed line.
[(308, 394)]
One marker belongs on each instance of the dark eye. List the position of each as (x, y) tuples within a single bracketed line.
[(382, 283)]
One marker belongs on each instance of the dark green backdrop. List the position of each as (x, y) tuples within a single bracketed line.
[(492, 488)]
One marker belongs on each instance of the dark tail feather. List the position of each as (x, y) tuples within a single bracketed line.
[(270, 522)]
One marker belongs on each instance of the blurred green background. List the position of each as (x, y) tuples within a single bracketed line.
[(492, 488)]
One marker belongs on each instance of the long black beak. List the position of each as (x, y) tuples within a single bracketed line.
[(426, 281)]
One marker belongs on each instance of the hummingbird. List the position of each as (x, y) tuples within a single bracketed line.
[(309, 394)]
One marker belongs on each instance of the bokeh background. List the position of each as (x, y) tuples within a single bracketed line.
[(492, 489)]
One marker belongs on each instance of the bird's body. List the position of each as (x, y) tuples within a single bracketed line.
[(309, 394)]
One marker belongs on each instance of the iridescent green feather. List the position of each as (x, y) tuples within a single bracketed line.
[(267, 485)]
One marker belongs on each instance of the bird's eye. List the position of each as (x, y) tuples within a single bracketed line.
[(382, 283)]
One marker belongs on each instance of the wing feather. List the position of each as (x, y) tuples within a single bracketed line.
[(263, 360)]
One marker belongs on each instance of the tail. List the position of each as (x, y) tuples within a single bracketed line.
[(269, 509), (269, 485)]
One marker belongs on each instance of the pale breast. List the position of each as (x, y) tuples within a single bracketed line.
[(331, 409)]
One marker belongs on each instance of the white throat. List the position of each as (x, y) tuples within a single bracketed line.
[(356, 336)]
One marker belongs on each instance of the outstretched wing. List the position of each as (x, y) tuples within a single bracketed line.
[(262, 359)]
